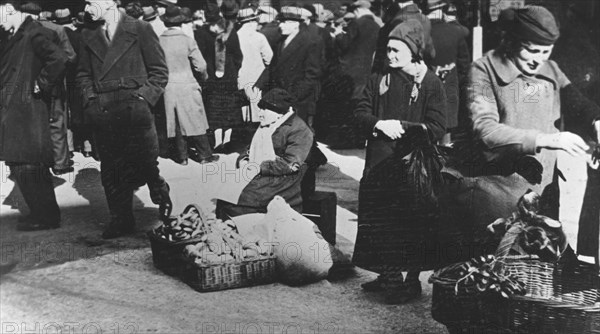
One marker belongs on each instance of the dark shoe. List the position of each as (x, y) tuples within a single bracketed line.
[(183, 162), (86, 154), (30, 226), (403, 294), (115, 231), (374, 286), (212, 158)]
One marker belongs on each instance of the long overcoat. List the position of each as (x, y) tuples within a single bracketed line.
[(112, 75), (450, 43), (296, 68), (395, 229), (29, 57), (183, 96)]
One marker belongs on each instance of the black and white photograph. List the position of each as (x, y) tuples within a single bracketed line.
[(300, 166)]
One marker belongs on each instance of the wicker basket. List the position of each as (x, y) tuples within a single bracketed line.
[(166, 255), (213, 277), (559, 299)]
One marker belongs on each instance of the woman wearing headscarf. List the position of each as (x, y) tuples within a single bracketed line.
[(393, 102), (516, 97)]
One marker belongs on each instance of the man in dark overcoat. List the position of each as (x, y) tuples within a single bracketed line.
[(122, 73), (29, 59), (296, 65), (451, 62)]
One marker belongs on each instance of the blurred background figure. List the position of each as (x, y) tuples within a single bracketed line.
[(151, 15), (451, 61), (257, 55), (184, 108), (268, 26)]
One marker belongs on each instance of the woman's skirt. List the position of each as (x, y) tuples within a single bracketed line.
[(397, 230)]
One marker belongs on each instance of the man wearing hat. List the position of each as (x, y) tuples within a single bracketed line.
[(122, 73), (257, 56), (162, 5), (279, 149), (32, 66), (184, 109), (151, 16), (389, 106), (268, 25), (451, 61), (398, 11), (296, 65), (356, 46)]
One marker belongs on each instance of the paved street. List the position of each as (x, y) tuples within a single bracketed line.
[(70, 279)]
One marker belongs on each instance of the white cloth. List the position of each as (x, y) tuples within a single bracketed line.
[(261, 149)]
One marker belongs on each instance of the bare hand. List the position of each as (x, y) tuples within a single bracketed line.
[(566, 141), (391, 128)]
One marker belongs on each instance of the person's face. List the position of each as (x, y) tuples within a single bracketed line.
[(266, 116), (161, 9), (9, 17), (216, 28), (398, 54), (531, 57), (97, 9), (288, 26)]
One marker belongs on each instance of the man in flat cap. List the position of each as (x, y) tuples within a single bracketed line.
[(122, 73), (32, 66)]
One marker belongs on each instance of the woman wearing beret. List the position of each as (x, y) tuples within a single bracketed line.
[(516, 97), (404, 94)]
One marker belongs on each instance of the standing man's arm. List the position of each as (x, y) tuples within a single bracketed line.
[(156, 65), (53, 60), (84, 76)]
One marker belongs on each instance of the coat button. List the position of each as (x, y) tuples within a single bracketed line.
[(104, 111)]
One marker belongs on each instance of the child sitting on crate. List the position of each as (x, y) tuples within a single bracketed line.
[(274, 164)]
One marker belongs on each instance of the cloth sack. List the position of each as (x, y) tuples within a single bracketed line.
[(303, 256)]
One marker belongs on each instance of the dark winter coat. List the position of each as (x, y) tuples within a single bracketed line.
[(297, 69), (112, 75), (282, 177), (233, 60), (373, 106), (395, 229), (356, 48), (29, 57), (451, 48)]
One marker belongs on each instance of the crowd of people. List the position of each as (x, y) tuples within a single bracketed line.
[(128, 82)]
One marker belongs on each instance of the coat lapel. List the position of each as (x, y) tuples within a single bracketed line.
[(96, 41), (292, 48), (124, 37), (14, 39)]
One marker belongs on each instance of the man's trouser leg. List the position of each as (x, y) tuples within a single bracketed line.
[(58, 134), (35, 183)]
